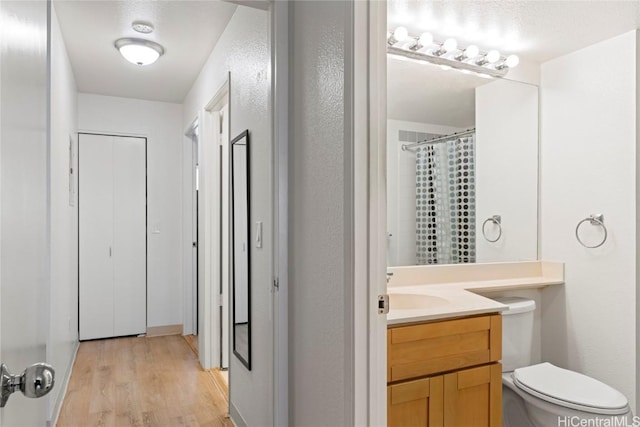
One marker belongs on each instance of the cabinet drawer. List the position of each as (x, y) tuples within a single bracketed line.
[(430, 348)]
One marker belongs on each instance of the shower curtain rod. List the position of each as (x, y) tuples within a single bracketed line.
[(406, 147)]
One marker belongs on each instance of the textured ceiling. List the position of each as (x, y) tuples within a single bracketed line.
[(536, 30), (188, 30)]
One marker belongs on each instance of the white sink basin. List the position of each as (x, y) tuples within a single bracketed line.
[(414, 301)]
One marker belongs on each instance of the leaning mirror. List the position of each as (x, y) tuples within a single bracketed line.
[(462, 166), (240, 244)]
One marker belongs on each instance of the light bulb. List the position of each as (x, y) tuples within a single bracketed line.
[(425, 39), (512, 61), (400, 34), (471, 51), (492, 56), (449, 45)]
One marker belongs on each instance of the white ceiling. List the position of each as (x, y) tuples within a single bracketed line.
[(535, 30), (188, 31)]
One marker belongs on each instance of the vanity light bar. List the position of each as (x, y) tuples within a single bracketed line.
[(448, 54)]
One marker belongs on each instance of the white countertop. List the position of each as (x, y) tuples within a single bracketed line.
[(419, 303)]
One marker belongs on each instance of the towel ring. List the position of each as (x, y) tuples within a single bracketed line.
[(497, 220), (597, 219)]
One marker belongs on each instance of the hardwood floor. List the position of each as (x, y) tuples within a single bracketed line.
[(141, 382)]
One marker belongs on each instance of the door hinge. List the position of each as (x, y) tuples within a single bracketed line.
[(276, 284), (383, 304)]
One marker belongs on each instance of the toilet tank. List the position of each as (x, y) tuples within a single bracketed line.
[(517, 332)]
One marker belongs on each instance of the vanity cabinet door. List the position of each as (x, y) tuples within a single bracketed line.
[(417, 403), (473, 397)]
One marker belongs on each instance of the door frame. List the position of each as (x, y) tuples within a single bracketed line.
[(368, 117), (209, 229), (191, 287), (377, 251), (279, 112)]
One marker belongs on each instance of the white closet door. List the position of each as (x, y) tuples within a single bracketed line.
[(129, 236), (112, 209), (96, 231)]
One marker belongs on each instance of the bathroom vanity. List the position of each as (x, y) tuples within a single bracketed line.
[(445, 372), (444, 340)]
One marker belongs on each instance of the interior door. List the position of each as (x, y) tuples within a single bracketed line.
[(129, 236), (112, 234), (95, 216), (24, 209)]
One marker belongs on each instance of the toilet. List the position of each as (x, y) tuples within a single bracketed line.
[(543, 395)]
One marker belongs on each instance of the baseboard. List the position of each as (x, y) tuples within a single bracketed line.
[(63, 391), (235, 416), (160, 331)]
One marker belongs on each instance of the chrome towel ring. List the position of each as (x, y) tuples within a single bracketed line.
[(597, 219), (497, 220)]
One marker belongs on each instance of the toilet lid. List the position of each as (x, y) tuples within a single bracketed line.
[(570, 389)]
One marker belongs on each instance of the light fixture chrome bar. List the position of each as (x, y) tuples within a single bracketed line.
[(406, 147), (439, 60)]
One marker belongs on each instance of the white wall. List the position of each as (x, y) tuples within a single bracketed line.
[(161, 123), (401, 190), (589, 166), (63, 322), (507, 170), (243, 51)]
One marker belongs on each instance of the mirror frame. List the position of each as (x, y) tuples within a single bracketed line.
[(242, 139)]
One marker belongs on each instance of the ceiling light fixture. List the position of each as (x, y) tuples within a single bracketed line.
[(447, 54), (139, 51)]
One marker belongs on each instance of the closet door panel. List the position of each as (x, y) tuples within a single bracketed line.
[(129, 239), (95, 211)]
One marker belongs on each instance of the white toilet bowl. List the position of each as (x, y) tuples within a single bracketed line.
[(521, 408), (544, 395)]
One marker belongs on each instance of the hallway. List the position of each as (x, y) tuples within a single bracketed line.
[(141, 382)]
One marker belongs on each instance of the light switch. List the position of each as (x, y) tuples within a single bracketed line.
[(258, 234)]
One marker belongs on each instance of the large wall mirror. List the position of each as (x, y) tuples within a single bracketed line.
[(241, 280), (462, 166)]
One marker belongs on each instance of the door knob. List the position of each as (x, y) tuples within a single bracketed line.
[(35, 381)]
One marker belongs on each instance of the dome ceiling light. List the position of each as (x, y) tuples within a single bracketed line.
[(139, 51)]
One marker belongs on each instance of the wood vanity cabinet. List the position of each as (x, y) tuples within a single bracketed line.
[(445, 373)]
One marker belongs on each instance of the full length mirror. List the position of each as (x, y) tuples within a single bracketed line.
[(462, 166), (241, 248)]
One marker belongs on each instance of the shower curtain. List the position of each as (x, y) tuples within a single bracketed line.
[(445, 202)]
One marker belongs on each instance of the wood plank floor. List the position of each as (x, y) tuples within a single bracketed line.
[(141, 382)]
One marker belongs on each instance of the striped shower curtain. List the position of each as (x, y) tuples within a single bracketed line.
[(445, 202)]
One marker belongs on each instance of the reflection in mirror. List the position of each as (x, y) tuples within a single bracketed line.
[(240, 243), (462, 158)]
